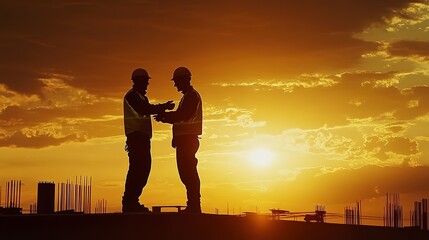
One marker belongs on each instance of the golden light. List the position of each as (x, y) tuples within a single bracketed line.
[(260, 157)]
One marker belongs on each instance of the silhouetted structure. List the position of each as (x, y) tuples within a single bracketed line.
[(74, 197), (101, 206), (419, 216), (277, 213), (393, 211), (33, 208), (319, 215), (45, 198), (352, 215), (157, 209), (12, 204)]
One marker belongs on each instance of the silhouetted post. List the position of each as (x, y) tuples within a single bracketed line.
[(7, 192), (90, 194), (58, 197), (80, 196), (6, 203), (416, 214), (425, 214), (12, 200), (84, 195), (66, 195), (15, 198), (13, 194), (62, 197), (359, 212), (75, 195), (9, 195), (19, 196), (393, 211)]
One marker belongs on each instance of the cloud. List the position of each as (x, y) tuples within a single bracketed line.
[(357, 144), (284, 104), (381, 146), (302, 81), (62, 114), (416, 103), (407, 48), (19, 139), (414, 17), (49, 126), (349, 96), (21, 81)]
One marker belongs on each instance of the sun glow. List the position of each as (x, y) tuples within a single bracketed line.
[(260, 157)]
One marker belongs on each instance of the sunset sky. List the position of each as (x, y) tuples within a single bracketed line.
[(305, 102)]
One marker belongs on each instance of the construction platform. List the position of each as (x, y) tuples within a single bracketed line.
[(187, 226)]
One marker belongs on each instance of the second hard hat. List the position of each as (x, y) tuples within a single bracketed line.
[(181, 72)]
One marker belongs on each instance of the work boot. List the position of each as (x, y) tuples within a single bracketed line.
[(135, 209), (191, 210)]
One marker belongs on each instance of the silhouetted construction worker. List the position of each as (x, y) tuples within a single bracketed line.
[(187, 126), (138, 129)]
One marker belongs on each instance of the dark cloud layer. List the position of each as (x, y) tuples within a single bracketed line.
[(15, 116), (74, 124), (358, 184), (20, 80), (99, 42), (409, 48), (361, 183), (19, 139), (381, 145)]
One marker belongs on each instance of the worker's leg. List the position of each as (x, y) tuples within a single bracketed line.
[(187, 166), (139, 168)]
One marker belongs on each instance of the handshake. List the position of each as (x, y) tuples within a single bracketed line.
[(161, 115), (168, 105)]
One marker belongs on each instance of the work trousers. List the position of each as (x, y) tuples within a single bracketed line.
[(138, 147), (186, 148)]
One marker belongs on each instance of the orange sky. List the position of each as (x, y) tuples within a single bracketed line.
[(332, 98)]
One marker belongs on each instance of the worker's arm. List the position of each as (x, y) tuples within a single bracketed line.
[(185, 111), (143, 107)]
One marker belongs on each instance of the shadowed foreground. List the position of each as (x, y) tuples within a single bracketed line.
[(181, 226)]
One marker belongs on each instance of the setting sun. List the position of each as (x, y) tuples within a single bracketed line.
[(260, 157)]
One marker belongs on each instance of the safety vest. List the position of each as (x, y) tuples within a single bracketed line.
[(192, 126), (133, 121)]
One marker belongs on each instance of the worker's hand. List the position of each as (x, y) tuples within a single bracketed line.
[(159, 117), (169, 105)]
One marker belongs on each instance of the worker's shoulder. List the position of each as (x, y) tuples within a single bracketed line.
[(193, 94), (132, 93)]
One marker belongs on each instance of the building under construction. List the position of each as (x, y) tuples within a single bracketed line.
[(419, 216), (12, 201)]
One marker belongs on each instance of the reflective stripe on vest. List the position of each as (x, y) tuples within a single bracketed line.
[(192, 126), (133, 121)]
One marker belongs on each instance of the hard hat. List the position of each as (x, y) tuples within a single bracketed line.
[(181, 72), (139, 72)]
